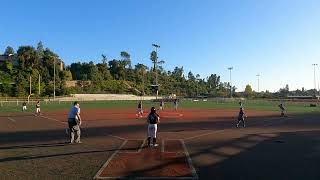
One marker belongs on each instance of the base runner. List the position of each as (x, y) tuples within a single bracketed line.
[(153, 120)]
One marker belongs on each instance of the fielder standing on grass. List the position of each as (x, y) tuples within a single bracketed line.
[(74, 122), (161, 105), (153, 120), (24, 106), (38, 111), (175, 104)]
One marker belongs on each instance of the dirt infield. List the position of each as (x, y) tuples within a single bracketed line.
[(184, 114), (135, 159), (193, 144)]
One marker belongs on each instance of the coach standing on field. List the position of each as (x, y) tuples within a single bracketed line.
[(74, 122)]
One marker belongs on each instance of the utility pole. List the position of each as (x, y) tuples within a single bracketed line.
[(30, 85), (143, 71), (314, 74), (258, 75), (54, 79), (39, 85), (156, 68), (230, 69)]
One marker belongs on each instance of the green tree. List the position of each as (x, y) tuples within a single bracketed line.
[(9, 50), (40, 49), (248, 91), (125, 61), (67, 75), (27, 57)]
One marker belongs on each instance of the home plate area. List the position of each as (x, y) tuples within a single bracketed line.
[(135, 160)]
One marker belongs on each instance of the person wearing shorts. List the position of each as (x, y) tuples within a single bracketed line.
[(241, 117), (24, 106), (140, 110), (153, 120), (74, 122), (38, 111)]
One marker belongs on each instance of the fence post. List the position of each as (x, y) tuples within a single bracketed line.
[(17, 102)]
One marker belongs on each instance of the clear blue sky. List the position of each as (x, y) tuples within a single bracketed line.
[(279, 39)]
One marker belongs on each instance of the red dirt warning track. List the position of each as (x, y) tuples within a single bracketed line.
[(135, 160), (189, 114)]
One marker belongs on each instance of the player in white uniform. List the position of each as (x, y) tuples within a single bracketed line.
[(153, 120)]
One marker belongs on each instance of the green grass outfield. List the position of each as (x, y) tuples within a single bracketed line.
[(252, 105)]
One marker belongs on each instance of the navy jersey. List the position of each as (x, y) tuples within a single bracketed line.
[(241, 113), (153, 118)]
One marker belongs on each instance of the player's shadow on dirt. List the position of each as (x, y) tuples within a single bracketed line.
[(288, 155)]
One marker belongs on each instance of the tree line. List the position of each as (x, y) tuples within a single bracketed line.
[(117, 75)]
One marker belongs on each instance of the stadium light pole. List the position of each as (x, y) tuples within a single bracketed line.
[(54, 79), (230, 69), (314, 74), (258, 75), (156, 67)]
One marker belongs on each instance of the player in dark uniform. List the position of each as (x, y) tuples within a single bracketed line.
[(24, 106), (140, 110), (281, 109), (38, 112), (161, 105), (175, 103), (240, 104), (153, 120), (241, 117)]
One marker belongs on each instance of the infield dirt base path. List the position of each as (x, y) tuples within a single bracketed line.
[(135, 160)]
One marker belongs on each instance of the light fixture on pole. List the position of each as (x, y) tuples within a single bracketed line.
[(258, 75), (156, 67), (230, 69), (314, 74), (54, 79)]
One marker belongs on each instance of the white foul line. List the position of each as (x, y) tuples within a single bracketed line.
[(11, 119), (97, 176), (193, 171)]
